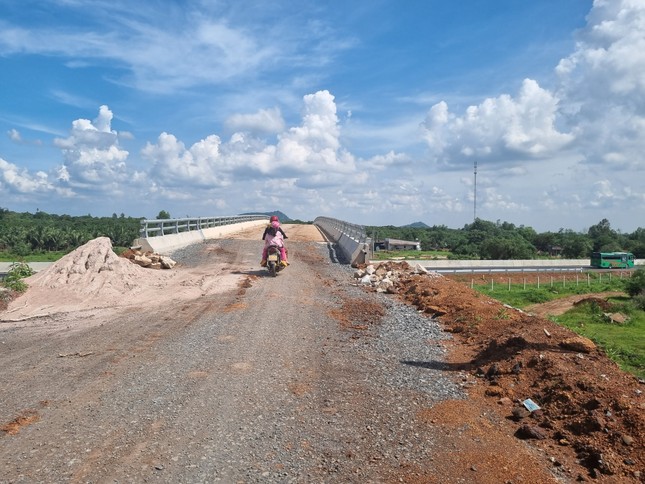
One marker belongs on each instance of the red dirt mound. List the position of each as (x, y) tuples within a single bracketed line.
[(591, 412)]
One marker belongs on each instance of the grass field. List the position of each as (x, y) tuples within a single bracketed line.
[(522, 295), (624, 343), (42, 257)]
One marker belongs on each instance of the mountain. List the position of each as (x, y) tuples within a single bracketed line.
[(416, 225)]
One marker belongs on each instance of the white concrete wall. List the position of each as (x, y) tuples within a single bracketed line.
[(164, 244), (449, 264)]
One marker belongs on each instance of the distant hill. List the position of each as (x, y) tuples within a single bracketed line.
[(416, 225), (283, 218)]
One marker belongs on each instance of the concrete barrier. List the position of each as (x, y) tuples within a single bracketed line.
[(456, 264), (349, 238), (164, 244), (447, 264)]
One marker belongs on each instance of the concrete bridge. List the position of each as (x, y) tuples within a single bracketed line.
[(163, 236)]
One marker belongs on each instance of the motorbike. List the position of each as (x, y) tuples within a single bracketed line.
[(274, 260)]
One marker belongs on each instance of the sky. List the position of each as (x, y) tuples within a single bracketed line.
[(375, 112)]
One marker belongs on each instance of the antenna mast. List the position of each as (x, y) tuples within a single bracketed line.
[(475, 193)]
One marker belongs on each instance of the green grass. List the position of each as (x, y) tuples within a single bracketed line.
[(625, 344), (519, 297), (43, 256)]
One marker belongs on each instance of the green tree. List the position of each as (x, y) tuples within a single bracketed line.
[(574, 245), (604, 238), (163, 215), (544, 242), (512, 246)]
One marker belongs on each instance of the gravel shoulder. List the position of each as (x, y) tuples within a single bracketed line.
[(224, 374)]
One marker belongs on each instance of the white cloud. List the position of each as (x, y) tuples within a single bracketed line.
[(174, 165), (611, 51), (177, 47), (496, 202), (499, 129), (387, 160), (195, 51), (310, 153), (602, 84), (315, 145), (265, 121), (14, 135), (18, 180), (92, 153)]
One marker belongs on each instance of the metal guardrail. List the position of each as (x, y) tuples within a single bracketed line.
[(161, 227), (353, 231)]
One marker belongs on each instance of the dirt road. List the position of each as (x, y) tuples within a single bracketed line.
[(561, 306), (221, 373)]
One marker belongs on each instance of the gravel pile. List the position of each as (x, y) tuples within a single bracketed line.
[(408, 346)]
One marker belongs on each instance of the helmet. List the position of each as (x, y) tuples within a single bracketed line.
[(274, 218)]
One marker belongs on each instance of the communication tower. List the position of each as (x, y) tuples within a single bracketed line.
[(475, 194)]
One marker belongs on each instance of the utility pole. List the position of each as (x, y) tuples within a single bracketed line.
[(475, 193)]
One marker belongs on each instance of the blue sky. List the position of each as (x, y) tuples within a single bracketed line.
[(369, 111)]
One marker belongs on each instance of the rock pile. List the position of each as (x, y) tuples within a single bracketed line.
[(384, 277), (149, 260)]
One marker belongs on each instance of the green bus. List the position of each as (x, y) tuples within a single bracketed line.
[(610, 260)]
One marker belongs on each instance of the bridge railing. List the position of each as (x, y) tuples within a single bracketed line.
[(161, 227), (166, 235), (351, 238)]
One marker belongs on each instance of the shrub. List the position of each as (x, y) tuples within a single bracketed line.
[(14, 279), (636, 284), (639, 301)]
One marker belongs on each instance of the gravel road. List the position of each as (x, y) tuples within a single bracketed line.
[(298, 378)]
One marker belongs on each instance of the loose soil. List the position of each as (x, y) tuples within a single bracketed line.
[(590, 424), (590, 420)]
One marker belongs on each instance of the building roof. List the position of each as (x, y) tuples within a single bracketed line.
[(402, 242)]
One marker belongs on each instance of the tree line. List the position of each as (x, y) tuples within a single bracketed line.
[(502, 240), (23, 234)]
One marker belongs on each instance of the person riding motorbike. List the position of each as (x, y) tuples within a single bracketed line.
[(274, 235)]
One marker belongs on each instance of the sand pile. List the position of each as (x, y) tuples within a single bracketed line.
[(91, 276), (91, 269)]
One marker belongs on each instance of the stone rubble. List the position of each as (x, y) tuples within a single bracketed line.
[(149, 260), (383, 277)]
